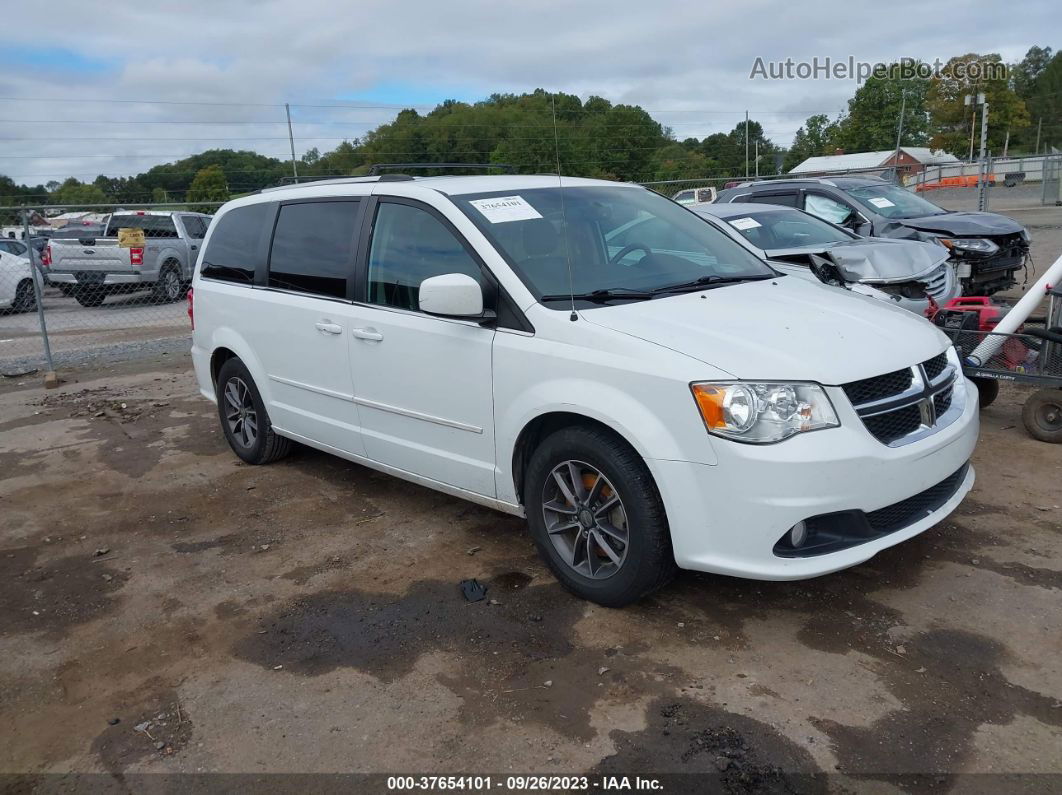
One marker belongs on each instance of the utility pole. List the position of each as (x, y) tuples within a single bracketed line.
[(899, 133), (291, 140), (746, 144), (1039, 124), (1006, 143), (757, 159)]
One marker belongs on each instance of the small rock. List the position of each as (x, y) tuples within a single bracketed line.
[(473, 550), (548, 683), (921, 670), (99, 553), (602, 670), (114, 721), (681, 624), (901, 650), (277, 667), (107, 578), (536, 618), (264, 547), (159, 745), (494, 602), (975, 561), (143, 727)]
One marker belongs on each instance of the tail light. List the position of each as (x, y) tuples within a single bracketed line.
[(191, 307), (46, 256), (136, 256)]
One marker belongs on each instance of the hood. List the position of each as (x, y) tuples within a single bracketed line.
[(780, 329), (961, 224), (877, 260)]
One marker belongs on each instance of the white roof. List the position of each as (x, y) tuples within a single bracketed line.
[(868, 160)]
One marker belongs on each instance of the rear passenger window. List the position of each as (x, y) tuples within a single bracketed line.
[(787, 199), (234, 251), (313, 247), (195, 226), (410, 245)]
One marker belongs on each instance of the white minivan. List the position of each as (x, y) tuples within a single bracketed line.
[(646, 407)]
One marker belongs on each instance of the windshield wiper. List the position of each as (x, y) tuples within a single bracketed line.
[(609, 294), (707, 282)]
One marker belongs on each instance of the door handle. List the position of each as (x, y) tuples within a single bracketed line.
[(328, 328), (367, 334)]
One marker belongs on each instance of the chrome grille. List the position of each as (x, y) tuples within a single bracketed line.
[(906, 405)]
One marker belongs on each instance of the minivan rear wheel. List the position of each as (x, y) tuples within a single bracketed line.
[(243, 416), (596, 516)]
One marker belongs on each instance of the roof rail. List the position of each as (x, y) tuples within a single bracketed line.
[(289, 182), (378, 168)]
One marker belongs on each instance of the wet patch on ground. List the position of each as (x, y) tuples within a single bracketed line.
[(52, 595), (950, 684), (728, 752)]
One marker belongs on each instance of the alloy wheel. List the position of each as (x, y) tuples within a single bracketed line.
[(240, 413), (585, 519)]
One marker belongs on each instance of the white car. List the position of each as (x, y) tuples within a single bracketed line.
[(16, 284), (646, 407)]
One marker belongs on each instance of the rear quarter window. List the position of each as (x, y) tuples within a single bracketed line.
[(234, 252)]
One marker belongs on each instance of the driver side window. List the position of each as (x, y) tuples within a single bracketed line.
[(826, 208), (410, 245)]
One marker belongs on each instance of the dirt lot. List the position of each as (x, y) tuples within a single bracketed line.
[(168, 609)]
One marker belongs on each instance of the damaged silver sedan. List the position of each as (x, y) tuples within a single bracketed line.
[(908, 272)]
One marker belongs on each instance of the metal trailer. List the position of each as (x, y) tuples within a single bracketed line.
[(1032, 355)]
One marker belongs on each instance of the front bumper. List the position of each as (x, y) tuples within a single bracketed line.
[(727, 518)]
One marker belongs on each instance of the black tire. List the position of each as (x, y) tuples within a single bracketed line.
[(266, 446), (90, 296), (648, 562), (987, 391), (66, 289), (1042, 415), (25, 298), (169, 287)]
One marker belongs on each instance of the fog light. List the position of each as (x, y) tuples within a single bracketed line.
[(798, 534)]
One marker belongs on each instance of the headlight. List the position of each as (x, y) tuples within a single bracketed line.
[(762, 413), (978, 244)]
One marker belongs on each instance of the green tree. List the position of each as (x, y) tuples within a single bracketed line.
[(817, 137), (209, 185), (1044, 103), (73, 191), (954, 123), (873, 115)]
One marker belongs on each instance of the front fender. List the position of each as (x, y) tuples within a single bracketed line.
[(653, 435)]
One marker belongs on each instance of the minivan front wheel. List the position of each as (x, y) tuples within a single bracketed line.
[(596, 516), (243, 416)]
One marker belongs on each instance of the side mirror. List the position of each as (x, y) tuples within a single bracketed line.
[(452, 295)]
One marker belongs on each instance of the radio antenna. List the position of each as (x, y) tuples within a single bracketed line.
[(564, 219)]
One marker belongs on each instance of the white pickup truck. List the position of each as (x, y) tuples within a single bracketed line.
[(92, 268)]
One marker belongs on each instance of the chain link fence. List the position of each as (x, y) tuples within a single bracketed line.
[(83, 283)]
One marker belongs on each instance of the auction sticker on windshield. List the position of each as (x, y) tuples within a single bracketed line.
[(878, 201), (744, 223), (505, 208)]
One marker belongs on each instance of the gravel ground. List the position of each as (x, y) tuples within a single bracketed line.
[(167, 609)]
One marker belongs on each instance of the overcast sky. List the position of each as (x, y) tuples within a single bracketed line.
[(687, 62)]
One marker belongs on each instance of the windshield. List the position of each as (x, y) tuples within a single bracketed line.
[(893, 202), (774, 229), (617, 238)]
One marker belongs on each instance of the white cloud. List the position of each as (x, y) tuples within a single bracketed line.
[(686, 62)]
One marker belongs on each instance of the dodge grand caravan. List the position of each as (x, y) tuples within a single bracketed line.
[(647, 405)]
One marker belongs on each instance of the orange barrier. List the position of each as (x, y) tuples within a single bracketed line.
[(955, 182)]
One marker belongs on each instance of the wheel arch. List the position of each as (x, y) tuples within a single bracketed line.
[(226, 344), (541, 426)]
